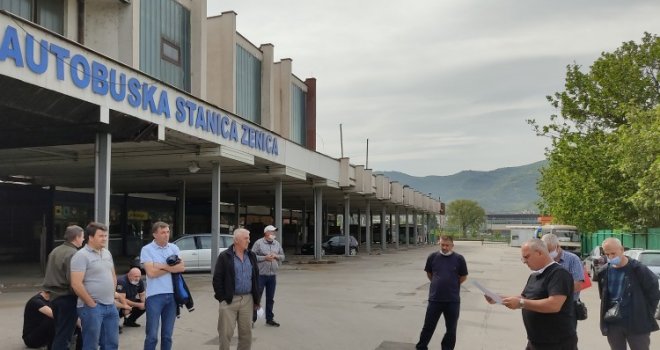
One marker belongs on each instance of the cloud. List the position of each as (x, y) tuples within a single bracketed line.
[(438, 86)]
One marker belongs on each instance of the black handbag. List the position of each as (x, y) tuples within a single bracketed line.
[(613, 314), (580, 310)]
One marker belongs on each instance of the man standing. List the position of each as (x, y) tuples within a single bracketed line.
[(634, 288), (38, 327), (160, 303), (131, 288), (58, 282), (546, 303), (446, 270), (567, 260), (269, 257), (236, 288), (93, 279)]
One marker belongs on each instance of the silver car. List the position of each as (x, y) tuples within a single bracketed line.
[(196, 250)]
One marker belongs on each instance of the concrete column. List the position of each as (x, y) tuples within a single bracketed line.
[(392, 236), (267, 86), (347, 224), (397, 225), (318, 221), (304, 222), (407, 229), (310, 115), (359, 227), (237, 212), (383, 230), (181, 209), (278, 209), (102, 160), (215, 213), (415, 233), (367, 229)]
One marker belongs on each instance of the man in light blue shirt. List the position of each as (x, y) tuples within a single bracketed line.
[(568, 261), (160, 304)]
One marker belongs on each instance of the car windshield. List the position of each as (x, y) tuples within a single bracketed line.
[(650, 259)]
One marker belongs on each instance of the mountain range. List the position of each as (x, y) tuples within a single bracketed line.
[(503, 190)]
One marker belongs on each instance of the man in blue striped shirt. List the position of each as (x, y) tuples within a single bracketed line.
[(236, 287)]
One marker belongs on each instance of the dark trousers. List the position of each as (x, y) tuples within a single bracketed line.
[(434, 310), (617, 336), (133, 316), (267, 282), (42, 335), (568, 344), (65, 315)]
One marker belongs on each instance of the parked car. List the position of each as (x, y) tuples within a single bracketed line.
[(196, 250), (332, 245), (595, 261), (650, 258)]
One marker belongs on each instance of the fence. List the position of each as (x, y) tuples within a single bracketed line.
[(650, 240)]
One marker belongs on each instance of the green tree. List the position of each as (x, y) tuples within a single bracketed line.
[(604, 163), (465, 214)]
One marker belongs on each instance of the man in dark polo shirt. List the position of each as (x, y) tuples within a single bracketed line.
[(38, 325), (131, 287), (546, 303), (446, 270)]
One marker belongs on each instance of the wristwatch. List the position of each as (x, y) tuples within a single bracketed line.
[(522, 303)]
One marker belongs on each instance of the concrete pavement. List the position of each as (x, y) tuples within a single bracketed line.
[(361, 302)]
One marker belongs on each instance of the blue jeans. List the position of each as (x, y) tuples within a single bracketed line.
[(160, 308), (433, 312), (65, 315), (100, 327), (267, 282)]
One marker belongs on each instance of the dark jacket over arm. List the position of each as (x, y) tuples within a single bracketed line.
[(224, 277)]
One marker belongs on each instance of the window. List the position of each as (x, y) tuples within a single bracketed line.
[(187, 243), (46, 13), (170, 51), (205, 242)]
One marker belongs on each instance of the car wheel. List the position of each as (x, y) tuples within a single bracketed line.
[(353, 251)]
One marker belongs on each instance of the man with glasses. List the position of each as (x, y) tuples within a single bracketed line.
[(546, 303)]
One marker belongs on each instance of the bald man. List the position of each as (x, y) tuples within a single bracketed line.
[(546, 301), (634, 287), (131, 287)]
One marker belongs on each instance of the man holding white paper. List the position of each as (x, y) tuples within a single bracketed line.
[(546, 301), (446, 270)]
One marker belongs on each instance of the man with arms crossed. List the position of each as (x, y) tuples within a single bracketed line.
[(93, 280), (237, 289), (160, 303), (58, 282), (447, 271)]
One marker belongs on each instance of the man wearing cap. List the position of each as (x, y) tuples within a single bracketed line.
[(269, 257)]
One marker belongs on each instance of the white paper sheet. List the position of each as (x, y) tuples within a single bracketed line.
[(489, 293)]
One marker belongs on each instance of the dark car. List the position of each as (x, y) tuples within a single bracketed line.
[(334, 245), (595, 261)]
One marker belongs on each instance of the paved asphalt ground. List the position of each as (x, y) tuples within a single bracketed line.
[(363, 302)]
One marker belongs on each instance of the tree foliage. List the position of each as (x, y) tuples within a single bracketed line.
[(465, 215), (604, 163)]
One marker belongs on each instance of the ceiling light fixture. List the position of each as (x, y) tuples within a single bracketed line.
[(193, 167)]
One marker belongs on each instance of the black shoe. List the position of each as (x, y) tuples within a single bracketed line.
[(272, 323), (131, 324)]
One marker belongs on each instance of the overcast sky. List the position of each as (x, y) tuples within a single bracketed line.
[(437, 86)]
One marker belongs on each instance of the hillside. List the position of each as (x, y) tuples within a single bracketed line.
[(504, 190)]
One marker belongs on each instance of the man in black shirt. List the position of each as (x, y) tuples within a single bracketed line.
[(446, 270), (38, 325), (546, 303), (131, 287)]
